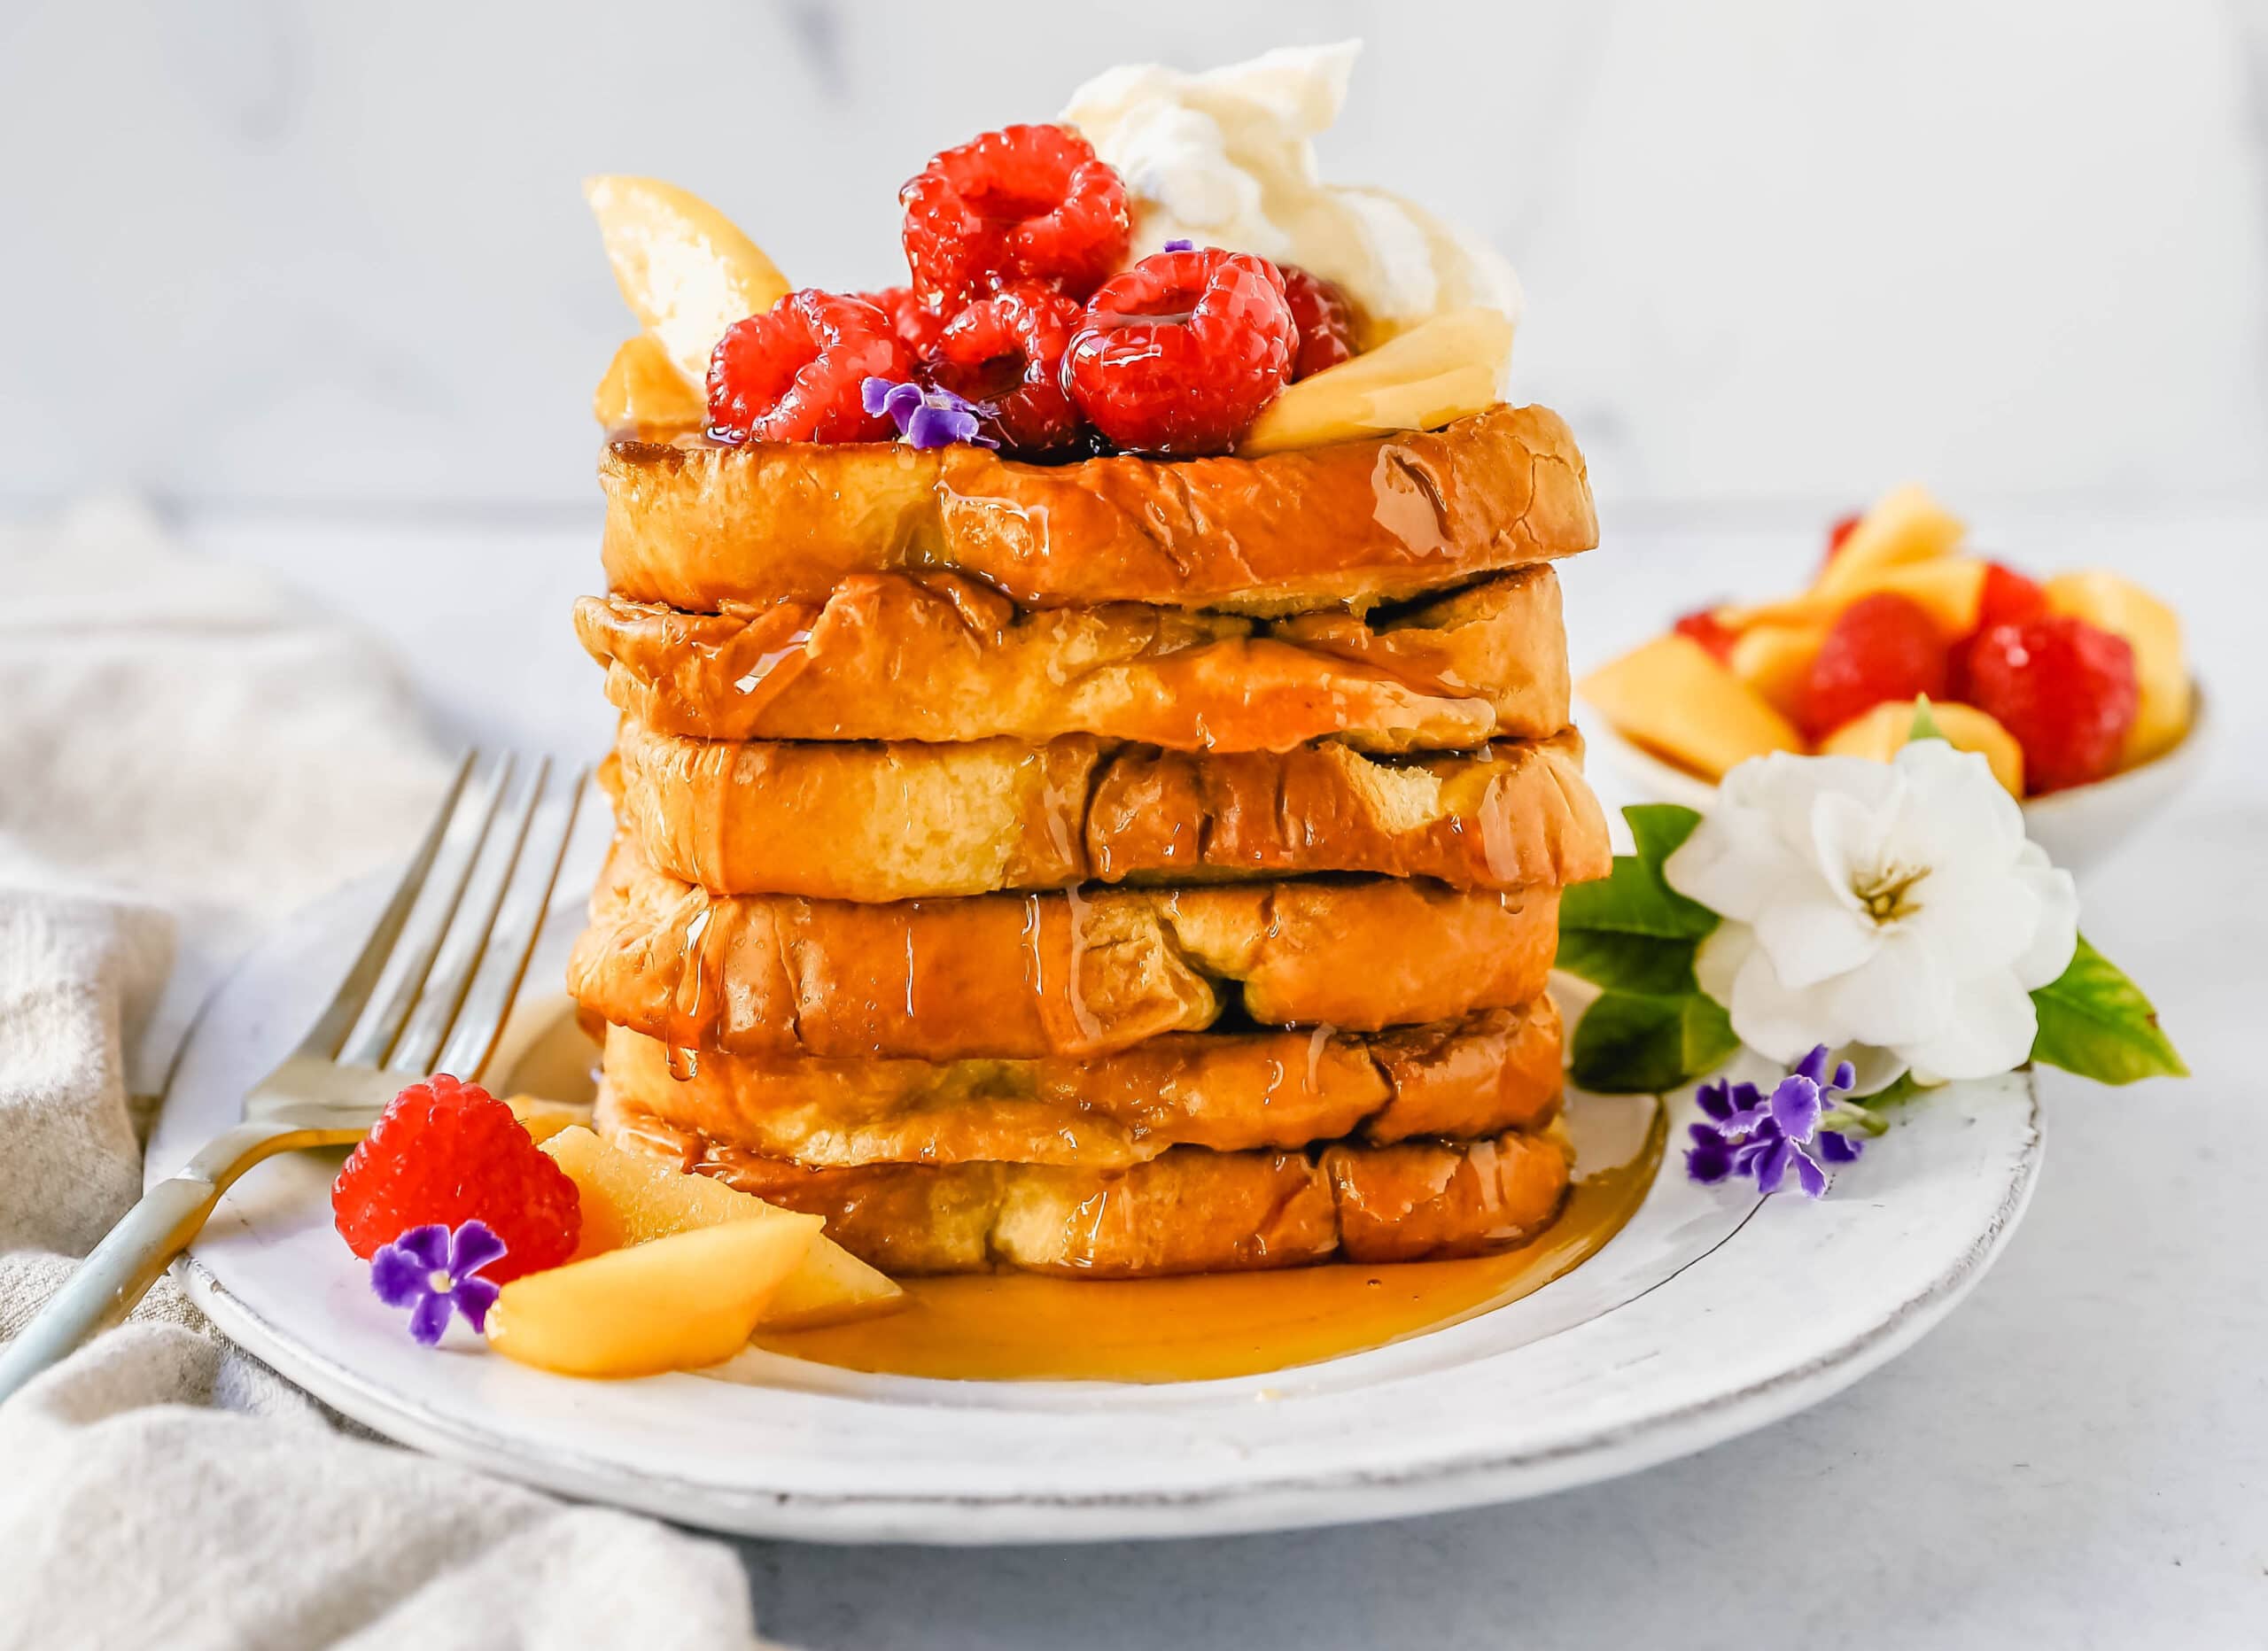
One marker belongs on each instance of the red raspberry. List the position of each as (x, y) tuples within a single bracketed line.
[(915, 323), (1883, 647), (1026, 202), (794, 372), (1326, 317), (2008, 598), (1703, 626), (2064, 688), (1180, 353), (451, 1152), (1005, 353), (1845, 526)]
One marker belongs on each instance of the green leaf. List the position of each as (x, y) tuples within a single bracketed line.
[(1628, 963), (1638, 1042), (1925, 723), (2095, 1021), (1634, 900), (1901, 1090)]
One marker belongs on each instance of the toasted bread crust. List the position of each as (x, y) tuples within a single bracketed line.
[(1024, 976), (1487, 662), (697, 525), (877, 822), (1189, 1210), (1226, 1092)]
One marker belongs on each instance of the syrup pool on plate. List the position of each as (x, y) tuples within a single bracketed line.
[(1023, 1327)]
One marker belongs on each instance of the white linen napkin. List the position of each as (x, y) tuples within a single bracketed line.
[(184, 758)]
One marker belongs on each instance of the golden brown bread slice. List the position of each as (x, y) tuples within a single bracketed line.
[(1022, 976), (695, 525), (939, 658), (900, 821), (1230, 1091), (1189, 1210)]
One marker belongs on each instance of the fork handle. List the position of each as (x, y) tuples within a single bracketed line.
[(119, 1273)]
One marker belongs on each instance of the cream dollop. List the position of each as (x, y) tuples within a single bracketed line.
[(1226, 158)]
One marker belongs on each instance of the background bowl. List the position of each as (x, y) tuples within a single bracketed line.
[(2079, 827)]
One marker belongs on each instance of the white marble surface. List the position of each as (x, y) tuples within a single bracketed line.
[(286, 250), (2078, 1459)]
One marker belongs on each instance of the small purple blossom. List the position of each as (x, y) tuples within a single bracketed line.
[(1749, 1133), (926, 415), (432, 1271), (1181, 244)]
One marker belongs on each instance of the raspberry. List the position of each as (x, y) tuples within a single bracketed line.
[(451, 1152), (1845, 526), (1180, 353), (2064, 688), (1005, 353), (1703, 626), (915, 323), (1883, 647), (1326, 317), (793, 373), (1026, 202), (2008, 598)]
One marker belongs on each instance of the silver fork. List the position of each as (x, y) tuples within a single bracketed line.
[(430, 992)]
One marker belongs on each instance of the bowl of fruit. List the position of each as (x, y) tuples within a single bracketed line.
[(2074, 688)]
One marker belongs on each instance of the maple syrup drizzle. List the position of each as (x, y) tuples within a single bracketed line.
[(1021, 1326)]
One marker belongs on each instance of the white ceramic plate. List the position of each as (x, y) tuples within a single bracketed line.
[(1709, 1315)]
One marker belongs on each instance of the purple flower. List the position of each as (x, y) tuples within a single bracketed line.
[(1748, 1133), (926, 415), (1180, 246), (432, 1271)]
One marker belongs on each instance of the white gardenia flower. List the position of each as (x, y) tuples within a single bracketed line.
[(1897, 906)]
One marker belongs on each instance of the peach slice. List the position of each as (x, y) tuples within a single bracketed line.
[(644, 395), (1903, 527), (1672, 696), (685, 270), (1775, 660), (542, 1119), (1879, 733), (629, 1200), (1437, 372), (1949, 588), (2154, 632), (679, 1303)]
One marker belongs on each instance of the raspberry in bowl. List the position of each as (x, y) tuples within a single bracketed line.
[(2075, 688)]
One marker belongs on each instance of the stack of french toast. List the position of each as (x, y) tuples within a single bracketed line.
[(1114, 868)]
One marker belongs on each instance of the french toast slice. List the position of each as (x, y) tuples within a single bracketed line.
[(1229, 1091), (694, 526), (1189, 1210), (1454, 671), (876, 822), (1024, 976)]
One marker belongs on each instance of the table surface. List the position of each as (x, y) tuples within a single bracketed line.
[(2078, 1458)]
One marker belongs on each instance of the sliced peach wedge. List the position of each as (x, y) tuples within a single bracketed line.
[(630, 1202), (679, 1303), (685, 270), (1436, 373)]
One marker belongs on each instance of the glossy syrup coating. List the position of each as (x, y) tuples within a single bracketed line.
[(694, 524), (1450, 674), (1228, 1092), (1018, 977), (873, 821), (1186, 1211)]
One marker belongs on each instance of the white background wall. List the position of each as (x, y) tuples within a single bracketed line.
[(326, 254)]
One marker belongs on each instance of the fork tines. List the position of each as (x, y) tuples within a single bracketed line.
[(438, 976)]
